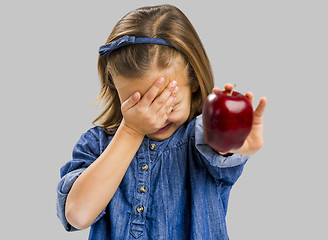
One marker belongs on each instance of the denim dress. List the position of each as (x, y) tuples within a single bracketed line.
[(177, 188)]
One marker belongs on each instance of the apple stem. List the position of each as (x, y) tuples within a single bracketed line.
[(233, 88)]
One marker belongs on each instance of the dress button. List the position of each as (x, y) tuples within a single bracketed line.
[(140, 209), (143, 189), (152, 146), (145, 167)]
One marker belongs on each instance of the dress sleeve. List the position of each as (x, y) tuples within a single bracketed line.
[(227, 169), (85, 152)]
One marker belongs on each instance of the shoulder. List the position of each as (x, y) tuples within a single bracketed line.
[(97, 132), (96, 136)]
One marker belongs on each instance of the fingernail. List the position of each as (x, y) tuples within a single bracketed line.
[(161, 80), (176, 89), (174, 83), (135, 96)]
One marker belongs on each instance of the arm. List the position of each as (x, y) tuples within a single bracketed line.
[(95, 187), (227, 167), (223, 168)]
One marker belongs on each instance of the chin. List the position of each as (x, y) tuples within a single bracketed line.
[(158, 136), (161, 136)]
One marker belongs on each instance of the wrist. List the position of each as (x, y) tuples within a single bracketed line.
[(245, 150), (130, 131), (226, 154)]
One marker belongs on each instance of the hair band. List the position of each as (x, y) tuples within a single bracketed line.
[(129, 40)]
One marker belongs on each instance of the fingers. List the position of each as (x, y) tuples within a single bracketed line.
[(259, 111), (170, 107), (155, 101), (227, 87), (152, 92), (133, 100), (250, 97), (148, 113), (216, 89), (158, 104), (164, 97), (167, 108)]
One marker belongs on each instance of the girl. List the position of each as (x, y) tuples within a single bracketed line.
[(145, 171)]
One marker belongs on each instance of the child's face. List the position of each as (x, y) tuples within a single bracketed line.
[(181, 110)]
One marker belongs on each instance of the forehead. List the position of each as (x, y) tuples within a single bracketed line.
[(127, 86), (177, 72)]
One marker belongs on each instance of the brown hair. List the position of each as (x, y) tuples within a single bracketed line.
[(162, 21)]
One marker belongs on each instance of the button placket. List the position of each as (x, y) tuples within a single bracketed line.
[(138, 217)]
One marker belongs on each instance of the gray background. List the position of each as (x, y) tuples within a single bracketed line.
[(276, 49)]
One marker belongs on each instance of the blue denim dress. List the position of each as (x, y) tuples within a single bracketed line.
[(173, 189)]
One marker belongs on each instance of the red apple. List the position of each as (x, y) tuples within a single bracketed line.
[(227, 120)]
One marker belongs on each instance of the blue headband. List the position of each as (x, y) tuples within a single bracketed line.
[(129, 40)]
